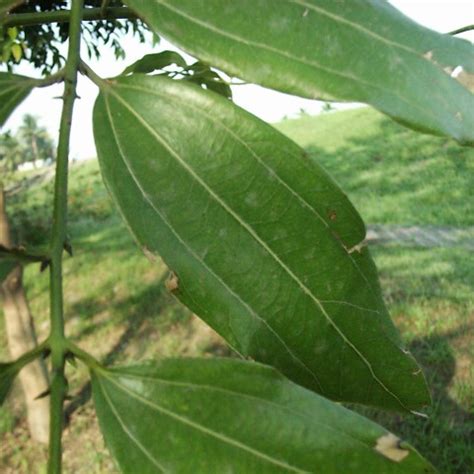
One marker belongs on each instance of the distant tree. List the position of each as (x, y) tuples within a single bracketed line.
[(35, 141), (31, 142), (10, 156)]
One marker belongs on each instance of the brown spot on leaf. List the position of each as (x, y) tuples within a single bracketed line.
[(172, 283), (389, 446), (428, 55), (149, 255), (332, 215)]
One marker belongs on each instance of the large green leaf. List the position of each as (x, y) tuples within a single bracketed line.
[(355, 50), (264, 246), (8, 372), (13, 90), (223, 415)]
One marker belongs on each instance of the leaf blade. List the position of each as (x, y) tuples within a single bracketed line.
[(13, 90), (303, 312), (152, 62), (8, 372), (247, 415), (318, 49)]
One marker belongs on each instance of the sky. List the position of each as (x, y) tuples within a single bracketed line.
[(271, 106)]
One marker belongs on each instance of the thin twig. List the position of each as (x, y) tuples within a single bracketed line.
[(63, 16), (461, 30), (57, 340)]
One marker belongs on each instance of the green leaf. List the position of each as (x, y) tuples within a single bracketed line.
[(152, 62), (8, 373), (17, 52), (224, 415), (6, 266), (13, 90), (203, 75), (363, 50), (12, 33), (265, 247)]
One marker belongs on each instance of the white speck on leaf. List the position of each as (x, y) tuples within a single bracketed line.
[(456, 71), (389, 446), (305, 13)]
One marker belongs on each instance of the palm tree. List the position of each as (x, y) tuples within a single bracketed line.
[(38, 144), (11, 155)]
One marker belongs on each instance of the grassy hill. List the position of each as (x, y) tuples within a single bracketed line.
[(118, 309), (393, 175)]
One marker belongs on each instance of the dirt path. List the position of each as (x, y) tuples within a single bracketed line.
[(425, 236)]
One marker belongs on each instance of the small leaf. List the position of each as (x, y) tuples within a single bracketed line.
[(152, 62), (8, 373), (12, 33), (13, 90), (264, 246), (365, 51), (17, 52), (203, 75), (224, 415)]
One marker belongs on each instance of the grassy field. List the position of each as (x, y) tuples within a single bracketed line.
[(118, 309)]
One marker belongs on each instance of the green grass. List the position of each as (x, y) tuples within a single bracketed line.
[(393, 175), (117, 307)]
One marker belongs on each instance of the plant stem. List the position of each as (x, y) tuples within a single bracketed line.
[(39, 350), (63, 16), (89, 73), (57, 341), (85, 357), (461, 30)]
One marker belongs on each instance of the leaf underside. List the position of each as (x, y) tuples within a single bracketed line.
[(350, 50), (13, 90), (265, 247), (223, 415)]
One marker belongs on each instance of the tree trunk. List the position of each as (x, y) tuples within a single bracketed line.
[(22, 338)]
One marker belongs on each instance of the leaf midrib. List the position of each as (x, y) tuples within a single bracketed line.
[(198, 427), (126, 430), (270, 170), (410, 104), (227, 391)]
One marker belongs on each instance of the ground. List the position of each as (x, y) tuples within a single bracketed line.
[(117, 306)]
